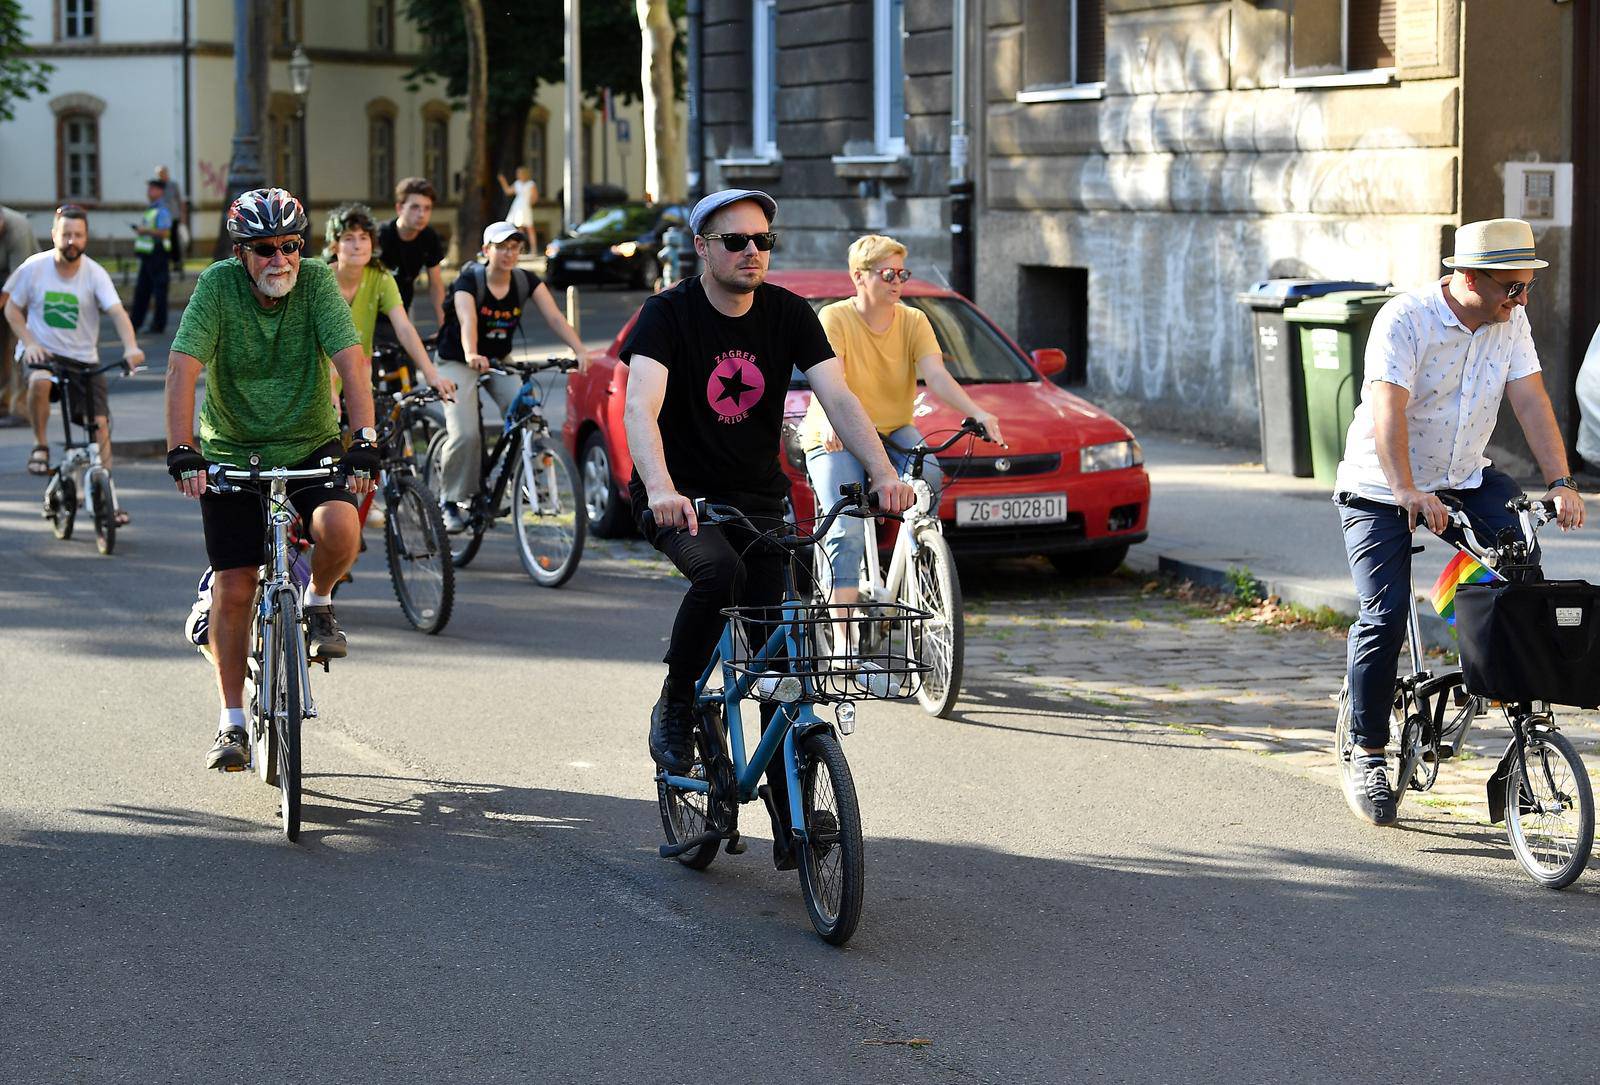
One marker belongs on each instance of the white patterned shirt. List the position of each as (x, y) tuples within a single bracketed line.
[(1456, 379)]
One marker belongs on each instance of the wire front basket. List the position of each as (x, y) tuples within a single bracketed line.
[(846, 652)]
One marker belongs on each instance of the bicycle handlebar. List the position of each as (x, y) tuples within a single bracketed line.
[(1534, 513), (969, 427), (221, 474), (505, 367), (854, 500), (72, 367)]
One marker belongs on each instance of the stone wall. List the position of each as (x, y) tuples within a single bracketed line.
[(824, 110), (1197, 173)]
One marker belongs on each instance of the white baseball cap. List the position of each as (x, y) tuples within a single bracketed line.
[(496, 232)]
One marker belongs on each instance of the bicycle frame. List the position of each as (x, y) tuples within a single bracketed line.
[(275, 577), (80, 460), (883, 586)]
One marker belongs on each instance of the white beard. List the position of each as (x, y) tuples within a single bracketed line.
[(276, 286)]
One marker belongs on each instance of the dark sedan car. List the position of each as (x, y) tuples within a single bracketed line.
[(616, 245)]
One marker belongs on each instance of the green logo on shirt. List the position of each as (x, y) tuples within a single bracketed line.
[(60, 309)]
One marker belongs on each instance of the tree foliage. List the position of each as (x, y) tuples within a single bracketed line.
[(21, 78)]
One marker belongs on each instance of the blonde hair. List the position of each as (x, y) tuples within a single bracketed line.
[(873, 249)]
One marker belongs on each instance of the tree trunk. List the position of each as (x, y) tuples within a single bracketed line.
[(510, 135), (663, 154), (475, 177)]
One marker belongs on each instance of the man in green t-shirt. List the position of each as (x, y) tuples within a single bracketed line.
[(259, 325)]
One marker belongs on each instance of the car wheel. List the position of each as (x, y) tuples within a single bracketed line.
[(606, 505), (648, 272), (1087, 563)]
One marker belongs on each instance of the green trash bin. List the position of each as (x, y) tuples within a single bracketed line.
[(1333, 341)]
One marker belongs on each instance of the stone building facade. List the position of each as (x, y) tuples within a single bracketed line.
[(840, 109), (1227, 141), (1140, 162)]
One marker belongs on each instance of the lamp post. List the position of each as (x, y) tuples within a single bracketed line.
[(249, 59), (300, 83)]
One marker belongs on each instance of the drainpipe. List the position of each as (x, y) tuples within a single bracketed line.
[(688, 259), (961, 186)]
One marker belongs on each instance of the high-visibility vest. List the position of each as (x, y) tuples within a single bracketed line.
[(145, 242)]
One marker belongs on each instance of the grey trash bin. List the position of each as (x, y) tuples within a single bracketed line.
[(1280, 380)]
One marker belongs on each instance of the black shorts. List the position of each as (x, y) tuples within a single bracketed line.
[(96, 389), (236, 523)]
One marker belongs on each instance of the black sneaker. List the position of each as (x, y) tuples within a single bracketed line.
[(325, 638), (230, 752), (1367, 790), (672, 735), (783, 850)]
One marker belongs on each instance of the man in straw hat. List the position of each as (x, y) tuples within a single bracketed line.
[(1438, 362)]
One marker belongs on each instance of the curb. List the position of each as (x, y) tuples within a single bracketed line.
[(1435, 632)]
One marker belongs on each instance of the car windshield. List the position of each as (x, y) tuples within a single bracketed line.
[(973, 352), (627, 219)]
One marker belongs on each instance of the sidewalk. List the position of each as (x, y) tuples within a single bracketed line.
[(1216, 509)]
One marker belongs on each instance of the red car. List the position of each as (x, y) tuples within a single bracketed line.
[(1084, 462)]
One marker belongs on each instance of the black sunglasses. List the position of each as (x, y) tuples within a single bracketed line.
[(737, 242), (267, 250), (1512, 290)]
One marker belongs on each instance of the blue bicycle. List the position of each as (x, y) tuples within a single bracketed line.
[(778, 657)]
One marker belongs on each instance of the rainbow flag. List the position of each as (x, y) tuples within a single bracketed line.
[(1463, 569)]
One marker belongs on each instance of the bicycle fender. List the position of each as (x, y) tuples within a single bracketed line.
[(1497, 784)]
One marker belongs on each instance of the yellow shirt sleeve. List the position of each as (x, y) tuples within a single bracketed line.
[(919, 334)]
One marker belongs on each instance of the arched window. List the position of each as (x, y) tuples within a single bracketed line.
[(78, 156), (380, 157), (380, 25), (538, 145), (281, 155), (436, 148)]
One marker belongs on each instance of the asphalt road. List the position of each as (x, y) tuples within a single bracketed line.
[(476, 896)]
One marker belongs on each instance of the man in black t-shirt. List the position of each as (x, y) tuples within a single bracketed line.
[(709, 363), (407, 244)]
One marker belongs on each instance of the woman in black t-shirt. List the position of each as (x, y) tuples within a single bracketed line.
[(486, 303)]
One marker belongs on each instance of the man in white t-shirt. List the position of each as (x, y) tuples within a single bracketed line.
[(53, 307), (1439, 360)]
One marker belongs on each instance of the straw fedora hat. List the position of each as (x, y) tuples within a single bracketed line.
[(1496, 244)]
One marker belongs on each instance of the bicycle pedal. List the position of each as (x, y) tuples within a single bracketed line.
[(1446, 751)]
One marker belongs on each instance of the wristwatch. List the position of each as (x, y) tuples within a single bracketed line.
[(1565, 480), (367, 434)]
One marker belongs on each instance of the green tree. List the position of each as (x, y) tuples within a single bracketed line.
[(20, 78), (525, 50)]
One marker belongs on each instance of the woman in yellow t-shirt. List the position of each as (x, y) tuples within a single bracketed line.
[(885, 347), (369, 289)]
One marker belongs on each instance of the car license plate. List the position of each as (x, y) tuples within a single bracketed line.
[(1018, 509), (580, 265)]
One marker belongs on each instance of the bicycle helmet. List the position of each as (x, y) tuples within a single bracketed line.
[(265, 212), (347, 216)]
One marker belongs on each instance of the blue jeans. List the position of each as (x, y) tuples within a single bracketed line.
[(844, 543), (1379, 548)]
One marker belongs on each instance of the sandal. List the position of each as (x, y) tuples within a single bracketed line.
[(39, 460)]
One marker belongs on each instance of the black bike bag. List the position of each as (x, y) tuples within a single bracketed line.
[(1531, 642)]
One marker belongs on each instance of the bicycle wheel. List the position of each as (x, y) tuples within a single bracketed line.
[(463, 546), (687, 814), (931, 584), (287, 702), (263, 737), (102, 506), (1550, 812), (61, 505), (831, 865), (547, 510), (419, 556), (1400, 772)]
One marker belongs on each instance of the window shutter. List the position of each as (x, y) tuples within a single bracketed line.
[(1372, 34)]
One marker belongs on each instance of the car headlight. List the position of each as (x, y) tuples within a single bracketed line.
[(626, 249), (1110, 457), (551, 250)]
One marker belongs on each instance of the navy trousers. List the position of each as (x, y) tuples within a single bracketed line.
[(1379, 548)]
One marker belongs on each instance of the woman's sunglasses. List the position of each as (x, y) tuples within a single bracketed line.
[(267, 250), (737, 242), (892, 275)]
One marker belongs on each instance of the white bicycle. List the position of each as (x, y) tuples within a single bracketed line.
[(921, 575)]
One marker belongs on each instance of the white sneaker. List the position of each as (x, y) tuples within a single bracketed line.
[(454, 522)]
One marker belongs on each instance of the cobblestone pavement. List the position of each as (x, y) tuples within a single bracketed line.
[(1131, 657)]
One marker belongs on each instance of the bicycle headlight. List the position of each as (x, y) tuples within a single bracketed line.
[(1110, 457), (844, 714)]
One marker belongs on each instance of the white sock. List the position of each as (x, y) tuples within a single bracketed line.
[(231, 718), (315, 600)]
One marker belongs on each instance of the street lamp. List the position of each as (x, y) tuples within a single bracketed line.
[(300, 83)]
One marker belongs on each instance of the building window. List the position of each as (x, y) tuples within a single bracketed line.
[(283, 159), (78, 137), (1065, 45), (380, 157), (287, 22), (1334, 37), (436, 153), (381, 28), (77, 20), (889, 84), (589, 153), (764, 78), (538, 140)]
